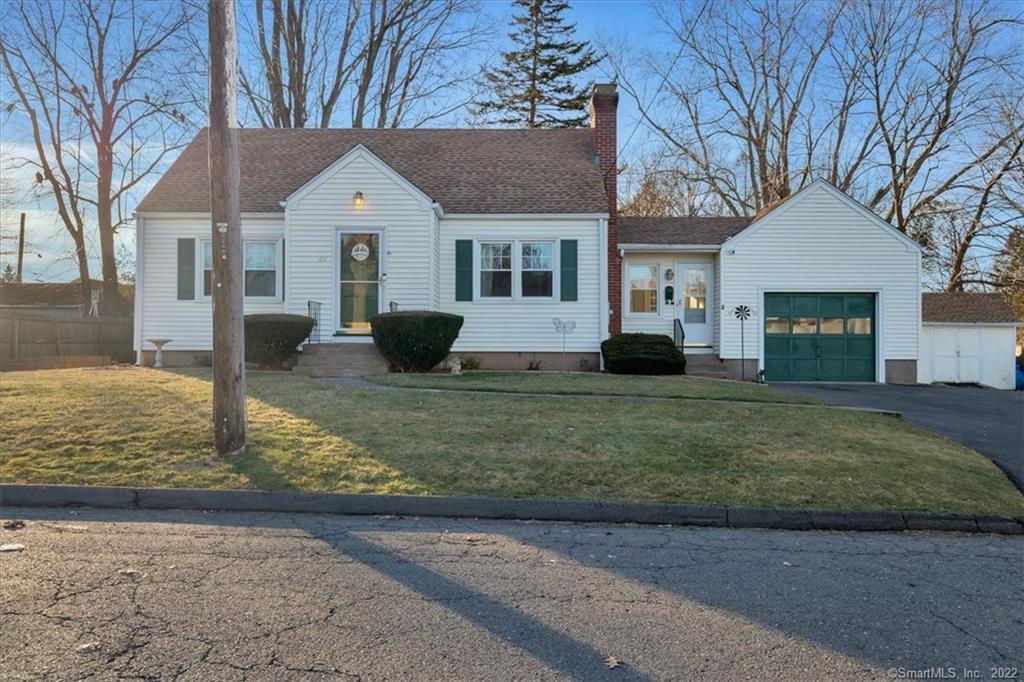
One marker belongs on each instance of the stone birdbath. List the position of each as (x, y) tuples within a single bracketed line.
[(158, 361)]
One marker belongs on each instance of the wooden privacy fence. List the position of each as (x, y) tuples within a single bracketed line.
[(27, 341)]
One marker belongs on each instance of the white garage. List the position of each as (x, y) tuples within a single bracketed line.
[(967, 338)]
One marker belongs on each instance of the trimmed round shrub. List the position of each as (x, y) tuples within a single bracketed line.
[(270, 339), (415, 340), (642, 354)]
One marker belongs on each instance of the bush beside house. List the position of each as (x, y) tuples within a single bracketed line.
[(415, 340), (270, 339), (642, 354)]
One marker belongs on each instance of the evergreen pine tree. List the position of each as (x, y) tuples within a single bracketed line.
[(535, 85)]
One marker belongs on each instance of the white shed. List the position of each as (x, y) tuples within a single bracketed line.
[(967, 338)]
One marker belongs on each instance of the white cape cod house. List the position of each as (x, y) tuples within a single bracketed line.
[(512, 228)]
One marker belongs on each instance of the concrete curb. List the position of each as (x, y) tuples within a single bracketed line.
[(12, 495)]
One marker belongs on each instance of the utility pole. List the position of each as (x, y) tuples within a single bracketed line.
[(228, 324), (21, 249)]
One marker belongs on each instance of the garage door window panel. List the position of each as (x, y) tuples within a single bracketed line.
[(832, 325), (805, 325), (858, 325)]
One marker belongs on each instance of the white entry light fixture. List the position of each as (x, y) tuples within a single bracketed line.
[(357, 200)]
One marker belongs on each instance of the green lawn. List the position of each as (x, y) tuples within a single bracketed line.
[(152, 428), (591, 383)]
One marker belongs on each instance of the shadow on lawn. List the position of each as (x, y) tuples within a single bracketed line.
[(301, 437)]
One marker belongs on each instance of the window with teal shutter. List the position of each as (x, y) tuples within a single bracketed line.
[(463, 269), (570, 269)]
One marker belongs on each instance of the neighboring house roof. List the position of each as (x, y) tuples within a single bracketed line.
[(969, 308), (52, 294), (672, 230), (465, 171)]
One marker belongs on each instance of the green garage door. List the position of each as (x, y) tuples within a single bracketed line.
[(819, 337)]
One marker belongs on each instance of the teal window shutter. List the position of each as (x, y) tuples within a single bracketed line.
[(186, 269), (463, 269), (570, 270)]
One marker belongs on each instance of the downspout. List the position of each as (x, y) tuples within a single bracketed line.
[(137, 306), (603, 302)]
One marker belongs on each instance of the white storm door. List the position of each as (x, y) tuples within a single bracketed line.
[(360, 275), (695, 304), (968, 355)]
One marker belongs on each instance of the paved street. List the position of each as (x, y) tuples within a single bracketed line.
[(263, 596), (987, 420)]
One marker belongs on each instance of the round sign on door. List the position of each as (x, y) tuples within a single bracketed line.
[(360, 252)]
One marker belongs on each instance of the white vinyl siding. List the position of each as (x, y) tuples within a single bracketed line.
[(188, 323), (817, 242), (315, 219), (524, 324)]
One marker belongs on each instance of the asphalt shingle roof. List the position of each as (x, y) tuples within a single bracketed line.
[(966, 308), (466, 171), (673, 230)]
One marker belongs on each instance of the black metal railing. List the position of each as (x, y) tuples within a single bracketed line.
[(313, 308), (678, 335)]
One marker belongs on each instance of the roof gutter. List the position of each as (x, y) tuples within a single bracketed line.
[(671, 247), (954, 323)]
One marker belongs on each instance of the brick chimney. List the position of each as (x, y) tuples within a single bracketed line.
[(604, 103)]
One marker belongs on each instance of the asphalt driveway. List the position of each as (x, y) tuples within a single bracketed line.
[(984, 419)]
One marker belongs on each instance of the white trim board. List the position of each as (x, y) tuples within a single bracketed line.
[(525, 216), (973, 324), (687, 248)]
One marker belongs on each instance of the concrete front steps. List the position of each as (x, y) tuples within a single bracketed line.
[(706, 365), (322, 360)]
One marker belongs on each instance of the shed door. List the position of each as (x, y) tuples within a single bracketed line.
[(819, 337), (956, 355)]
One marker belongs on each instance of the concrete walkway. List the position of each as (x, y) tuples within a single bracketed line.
[(221, 596)]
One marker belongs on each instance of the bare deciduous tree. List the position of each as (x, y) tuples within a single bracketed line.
[(391, 58), (90, 78), (912, 107), (935, 76), (656, 187)]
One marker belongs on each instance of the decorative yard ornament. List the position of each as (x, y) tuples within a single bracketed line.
[(563, 327), (742, 313)]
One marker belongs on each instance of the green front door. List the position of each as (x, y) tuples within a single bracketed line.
[(819, 337)]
